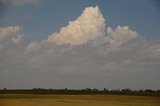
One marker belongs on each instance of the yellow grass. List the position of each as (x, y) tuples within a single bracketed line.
[(76, 100)]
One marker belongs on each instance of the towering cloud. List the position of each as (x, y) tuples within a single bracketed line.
[(88, 26)]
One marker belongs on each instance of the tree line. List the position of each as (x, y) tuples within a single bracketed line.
[(104, 91)]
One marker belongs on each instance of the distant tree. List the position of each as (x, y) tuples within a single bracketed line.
[(123, 90), (87, 89), (105, 89), (126, 89), (148, 90), (141, 90), (95, 89)]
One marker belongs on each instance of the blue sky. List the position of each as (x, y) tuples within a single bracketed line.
[(142, 16), (80, 44)]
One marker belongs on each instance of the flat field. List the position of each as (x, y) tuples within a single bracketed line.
[(77, 100)]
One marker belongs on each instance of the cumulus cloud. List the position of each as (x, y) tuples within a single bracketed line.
[(20, 2), (88, 26), (121, 35), (10, 35)]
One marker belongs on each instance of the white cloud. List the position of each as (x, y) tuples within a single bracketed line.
[(10, 35), (88, 26), (120, 36), (34, 46), (21, 2)]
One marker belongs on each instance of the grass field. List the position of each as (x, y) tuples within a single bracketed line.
[(77, 100)]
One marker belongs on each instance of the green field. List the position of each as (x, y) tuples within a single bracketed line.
[(77, 100)]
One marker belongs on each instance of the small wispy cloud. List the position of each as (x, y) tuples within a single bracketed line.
[(26, 17), (20, 2)]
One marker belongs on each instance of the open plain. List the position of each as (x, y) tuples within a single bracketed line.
[(77, 100)]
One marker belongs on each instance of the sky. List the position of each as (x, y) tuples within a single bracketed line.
[(80, 44)]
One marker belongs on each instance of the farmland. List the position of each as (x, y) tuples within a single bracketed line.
[(77, 100)]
